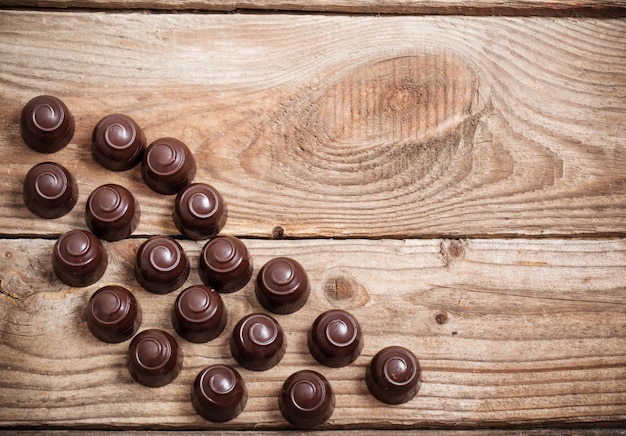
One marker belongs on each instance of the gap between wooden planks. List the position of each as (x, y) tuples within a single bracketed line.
[(433, 7), (508, 332), (339, 126)]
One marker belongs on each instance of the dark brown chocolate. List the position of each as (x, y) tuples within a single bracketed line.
[(335, 339), (393, 375), (199, 211), (111, 212), (113, 314), (282, 286), (154, 358), (161, 265), (46, 124), (306, 399), (258, 342), (79, 258), (168, 166), (50, 190), (225, 264), (199, 314), (118, 142), (219, 393)]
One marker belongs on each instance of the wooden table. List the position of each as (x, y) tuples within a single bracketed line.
[(453, 173)]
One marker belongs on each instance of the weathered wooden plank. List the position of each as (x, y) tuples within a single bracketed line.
[(601, 8), (507, 332), (337, 125)]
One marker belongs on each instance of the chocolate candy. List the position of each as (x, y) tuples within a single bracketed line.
[(219, 393), (335, 338), (168, 166), (113, 314), (199, 211), (118, 142), (46, 124), (306, 399), (161, 265), (258, 342), (225, 264), (282, 285), (154, 358), (111, 212), (79, 258), (393, 375), (199, 314), (50, 190)]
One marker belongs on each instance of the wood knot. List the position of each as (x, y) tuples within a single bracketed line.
[(345, 292), (452, 250)]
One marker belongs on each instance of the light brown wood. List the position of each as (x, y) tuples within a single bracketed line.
[(506, 331), (455, 7), (339, 126)]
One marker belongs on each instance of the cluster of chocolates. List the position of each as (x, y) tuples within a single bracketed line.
[(199, 315)]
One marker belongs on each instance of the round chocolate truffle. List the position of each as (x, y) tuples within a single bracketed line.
[(335, 339), (306, 399), (161, 265), (113, 314), (282, 285), (154, 358), (258, 342), (111, 212), (225, 264), (393, 375), (199, 211), (46, 124), (50, 190), (79, 258), (118, 142), (168, 166), (219, 393), (199, 314)]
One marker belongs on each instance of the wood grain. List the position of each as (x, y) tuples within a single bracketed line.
[(507, 332), (601, 8), (372, 126)]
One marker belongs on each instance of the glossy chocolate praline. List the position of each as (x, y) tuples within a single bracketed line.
[(199, 211), (161, 265), (282, 285), (118, 142), (46, 124), (154, 358), (225, 264), (112, 212), (258, 342), (306, 399), (168, 166), (393, 375), (113, 314), (199, 314), (335, 339), (219, 393), (79, 258), (50, 190)]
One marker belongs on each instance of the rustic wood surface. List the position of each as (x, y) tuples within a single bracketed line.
[(476, 167), (338, 126), (507, 332), (600, 8)]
